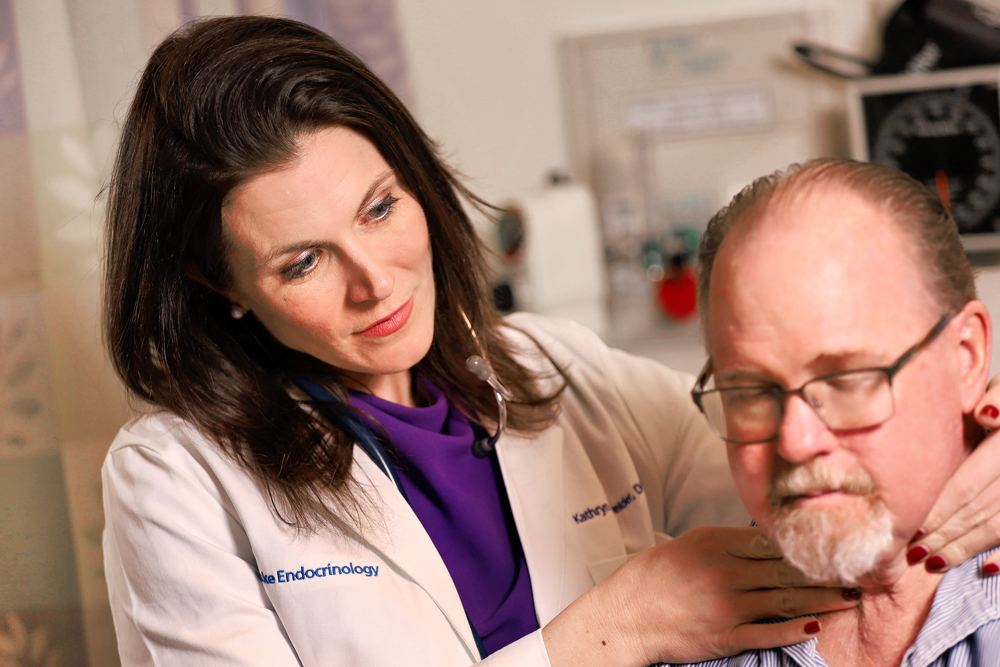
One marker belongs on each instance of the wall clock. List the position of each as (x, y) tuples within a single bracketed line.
[(943, 129)]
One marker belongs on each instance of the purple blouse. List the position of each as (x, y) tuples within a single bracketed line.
[(462, 503)]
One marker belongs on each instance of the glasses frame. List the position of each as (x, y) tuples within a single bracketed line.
[(782, 394)]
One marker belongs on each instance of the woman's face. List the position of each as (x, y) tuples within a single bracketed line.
[(332, 255)]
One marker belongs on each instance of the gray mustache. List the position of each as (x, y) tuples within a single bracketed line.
[(817, 474)]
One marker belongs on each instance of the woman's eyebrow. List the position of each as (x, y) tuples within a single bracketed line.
[(287, 250), (305, 245), (376, 184)]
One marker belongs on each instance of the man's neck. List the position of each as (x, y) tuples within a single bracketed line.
[(879, 631)]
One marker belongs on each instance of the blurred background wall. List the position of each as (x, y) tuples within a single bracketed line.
[(483, 78)]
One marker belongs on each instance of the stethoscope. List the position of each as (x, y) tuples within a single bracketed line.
[(478, 366), (481, 447)]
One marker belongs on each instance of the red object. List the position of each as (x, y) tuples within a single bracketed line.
[(678, 293), (916, 554), (812, 627), (991, 412), (936, 563), (990, 569)]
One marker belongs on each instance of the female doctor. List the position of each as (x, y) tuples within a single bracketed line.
[(295, 288)]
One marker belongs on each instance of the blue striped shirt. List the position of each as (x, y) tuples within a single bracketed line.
[(962, 629)]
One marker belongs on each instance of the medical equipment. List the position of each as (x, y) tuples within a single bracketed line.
[(478, 367)]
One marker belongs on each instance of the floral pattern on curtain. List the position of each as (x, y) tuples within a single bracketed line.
[(67, 68)]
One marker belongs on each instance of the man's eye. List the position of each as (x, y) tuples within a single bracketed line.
[(382, 209), (300, 267), (746, 396), (853, 382)]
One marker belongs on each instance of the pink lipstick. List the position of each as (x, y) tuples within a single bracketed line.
[(391, 324)]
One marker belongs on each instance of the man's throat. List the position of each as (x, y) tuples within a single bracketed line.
[(878, 632)]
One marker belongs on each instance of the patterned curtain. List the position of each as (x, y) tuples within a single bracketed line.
[(66, 72)]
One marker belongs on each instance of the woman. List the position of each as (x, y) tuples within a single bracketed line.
[(293, 285)]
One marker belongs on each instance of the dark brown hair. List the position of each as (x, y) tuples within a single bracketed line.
[(220, 101), (917, 211)]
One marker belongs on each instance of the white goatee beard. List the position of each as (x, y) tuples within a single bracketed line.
[(829, 546)]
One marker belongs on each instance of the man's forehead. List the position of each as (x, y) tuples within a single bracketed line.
[(817, 271)]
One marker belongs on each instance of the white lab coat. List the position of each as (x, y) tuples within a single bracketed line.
[(189, 537)]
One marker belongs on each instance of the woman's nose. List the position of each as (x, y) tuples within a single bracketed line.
[(369, 279), (802, 435)]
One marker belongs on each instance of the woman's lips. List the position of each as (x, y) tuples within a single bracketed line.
[(391, 324)]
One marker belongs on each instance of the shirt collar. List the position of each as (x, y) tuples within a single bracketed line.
[(963, 602)]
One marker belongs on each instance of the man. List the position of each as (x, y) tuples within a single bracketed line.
[(846, 346)]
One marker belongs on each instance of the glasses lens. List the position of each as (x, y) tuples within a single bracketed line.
[(851, 400), (743, 414)]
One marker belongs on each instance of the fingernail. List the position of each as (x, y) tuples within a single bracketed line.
[(916, 554), (936, 563), (990, 412), (990, 569), (916, 536), (812, 627), (852, 594)]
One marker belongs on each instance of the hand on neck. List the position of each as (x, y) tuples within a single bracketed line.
[(896, 599)]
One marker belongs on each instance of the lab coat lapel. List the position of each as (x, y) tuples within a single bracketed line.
[(402, 541), (547, 480), (533, 475)]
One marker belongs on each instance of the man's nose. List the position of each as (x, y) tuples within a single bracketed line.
[(369, 277), (802, 435)]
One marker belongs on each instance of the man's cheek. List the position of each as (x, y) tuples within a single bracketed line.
[(751, 473)]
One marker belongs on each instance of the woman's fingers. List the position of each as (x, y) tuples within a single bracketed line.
[(961, 549), (751, 543), (769, 635), (795, 602), (964, 521)]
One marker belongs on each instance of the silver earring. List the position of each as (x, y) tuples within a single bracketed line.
[(237, 312)]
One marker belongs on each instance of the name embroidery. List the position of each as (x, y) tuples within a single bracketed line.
[(328, 570), (601, 510)]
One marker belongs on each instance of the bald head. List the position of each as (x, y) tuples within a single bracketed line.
[(932, 237)]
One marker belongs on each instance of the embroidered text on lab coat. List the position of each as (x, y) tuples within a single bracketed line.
[(328, 570)]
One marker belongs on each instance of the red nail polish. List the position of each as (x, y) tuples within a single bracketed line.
[(990, 569), (916, 536), (936, 563), (917, 554), (852, 594), (990, 411), (812, 627)]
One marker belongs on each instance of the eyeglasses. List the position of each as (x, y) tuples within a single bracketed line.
[(846, 401)]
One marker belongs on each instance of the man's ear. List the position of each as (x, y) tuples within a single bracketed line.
[(975, 347)]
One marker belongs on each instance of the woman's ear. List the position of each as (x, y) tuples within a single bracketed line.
[(196, 275), (974, 349), (237, 311)]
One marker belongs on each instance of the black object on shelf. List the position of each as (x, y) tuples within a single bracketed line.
[(920, 36)]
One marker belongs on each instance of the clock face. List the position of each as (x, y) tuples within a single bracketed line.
[(948, 140)]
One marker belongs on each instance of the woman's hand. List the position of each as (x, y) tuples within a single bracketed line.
[(965, 521), (691, 599)]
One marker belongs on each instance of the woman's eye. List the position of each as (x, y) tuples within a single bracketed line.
[(381, 209), (300, 267)]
